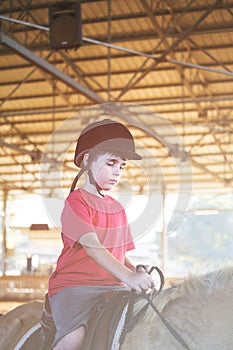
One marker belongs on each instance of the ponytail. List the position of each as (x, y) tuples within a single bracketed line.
[(77, 177)]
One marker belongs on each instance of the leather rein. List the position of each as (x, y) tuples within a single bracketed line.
[(131, 321)]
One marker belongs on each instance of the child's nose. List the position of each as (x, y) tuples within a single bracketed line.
[(117, 170)]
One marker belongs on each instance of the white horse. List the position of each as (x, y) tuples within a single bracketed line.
[(196, 314), (200, 310)]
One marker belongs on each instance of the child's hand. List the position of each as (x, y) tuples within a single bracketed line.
[(140, 281), (143, 268)]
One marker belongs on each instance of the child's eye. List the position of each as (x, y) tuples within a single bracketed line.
[(110, 163)]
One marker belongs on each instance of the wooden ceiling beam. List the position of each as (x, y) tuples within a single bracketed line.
[(135, 80), (32, 6), (49, 68)]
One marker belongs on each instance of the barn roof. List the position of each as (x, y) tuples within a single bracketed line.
[(164, 68)]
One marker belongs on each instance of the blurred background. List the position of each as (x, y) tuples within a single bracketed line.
[(162, 68)]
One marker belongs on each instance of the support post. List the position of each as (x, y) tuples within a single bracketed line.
[(4, 232), (163, 233)]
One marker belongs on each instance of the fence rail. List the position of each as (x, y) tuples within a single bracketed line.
[(31, 287), (23, 287)]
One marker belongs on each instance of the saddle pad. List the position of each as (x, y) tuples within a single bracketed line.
[(106, 319), (120, 327)]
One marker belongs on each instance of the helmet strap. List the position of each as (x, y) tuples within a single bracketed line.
[(92, 180)]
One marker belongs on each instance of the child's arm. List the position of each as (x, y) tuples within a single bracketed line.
[(137, 281), (129, 264), (138, 268)]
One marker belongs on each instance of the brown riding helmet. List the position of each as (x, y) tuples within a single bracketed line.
[(106, 135)]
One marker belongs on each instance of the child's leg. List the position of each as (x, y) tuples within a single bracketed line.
[(72, 341)]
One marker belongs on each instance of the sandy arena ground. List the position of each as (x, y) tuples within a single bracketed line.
[(6, 306)]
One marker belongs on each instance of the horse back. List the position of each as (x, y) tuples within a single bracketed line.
[(17, 322)]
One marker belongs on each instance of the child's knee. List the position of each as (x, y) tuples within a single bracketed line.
[(72, 341)]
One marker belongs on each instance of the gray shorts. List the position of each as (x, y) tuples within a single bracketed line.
[(71, 307)]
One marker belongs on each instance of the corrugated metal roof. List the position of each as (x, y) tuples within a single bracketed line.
[(195, 104)]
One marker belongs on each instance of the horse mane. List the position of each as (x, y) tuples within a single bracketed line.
[(192, 285)]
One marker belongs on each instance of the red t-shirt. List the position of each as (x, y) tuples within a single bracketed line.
[(84, 213)]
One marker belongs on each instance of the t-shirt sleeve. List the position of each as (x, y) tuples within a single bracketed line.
[(76, 218), (130, 245)]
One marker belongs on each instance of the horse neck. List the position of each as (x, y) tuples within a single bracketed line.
[(204, 320)]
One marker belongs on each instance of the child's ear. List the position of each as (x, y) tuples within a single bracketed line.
[(85, 159)]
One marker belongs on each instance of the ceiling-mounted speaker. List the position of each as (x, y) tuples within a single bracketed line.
[(65, 25)]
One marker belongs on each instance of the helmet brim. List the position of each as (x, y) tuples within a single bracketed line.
[(123, 154)]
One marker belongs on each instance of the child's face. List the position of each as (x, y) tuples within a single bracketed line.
[(107, 170)]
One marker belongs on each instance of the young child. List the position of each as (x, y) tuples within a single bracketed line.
[(95, 234)]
